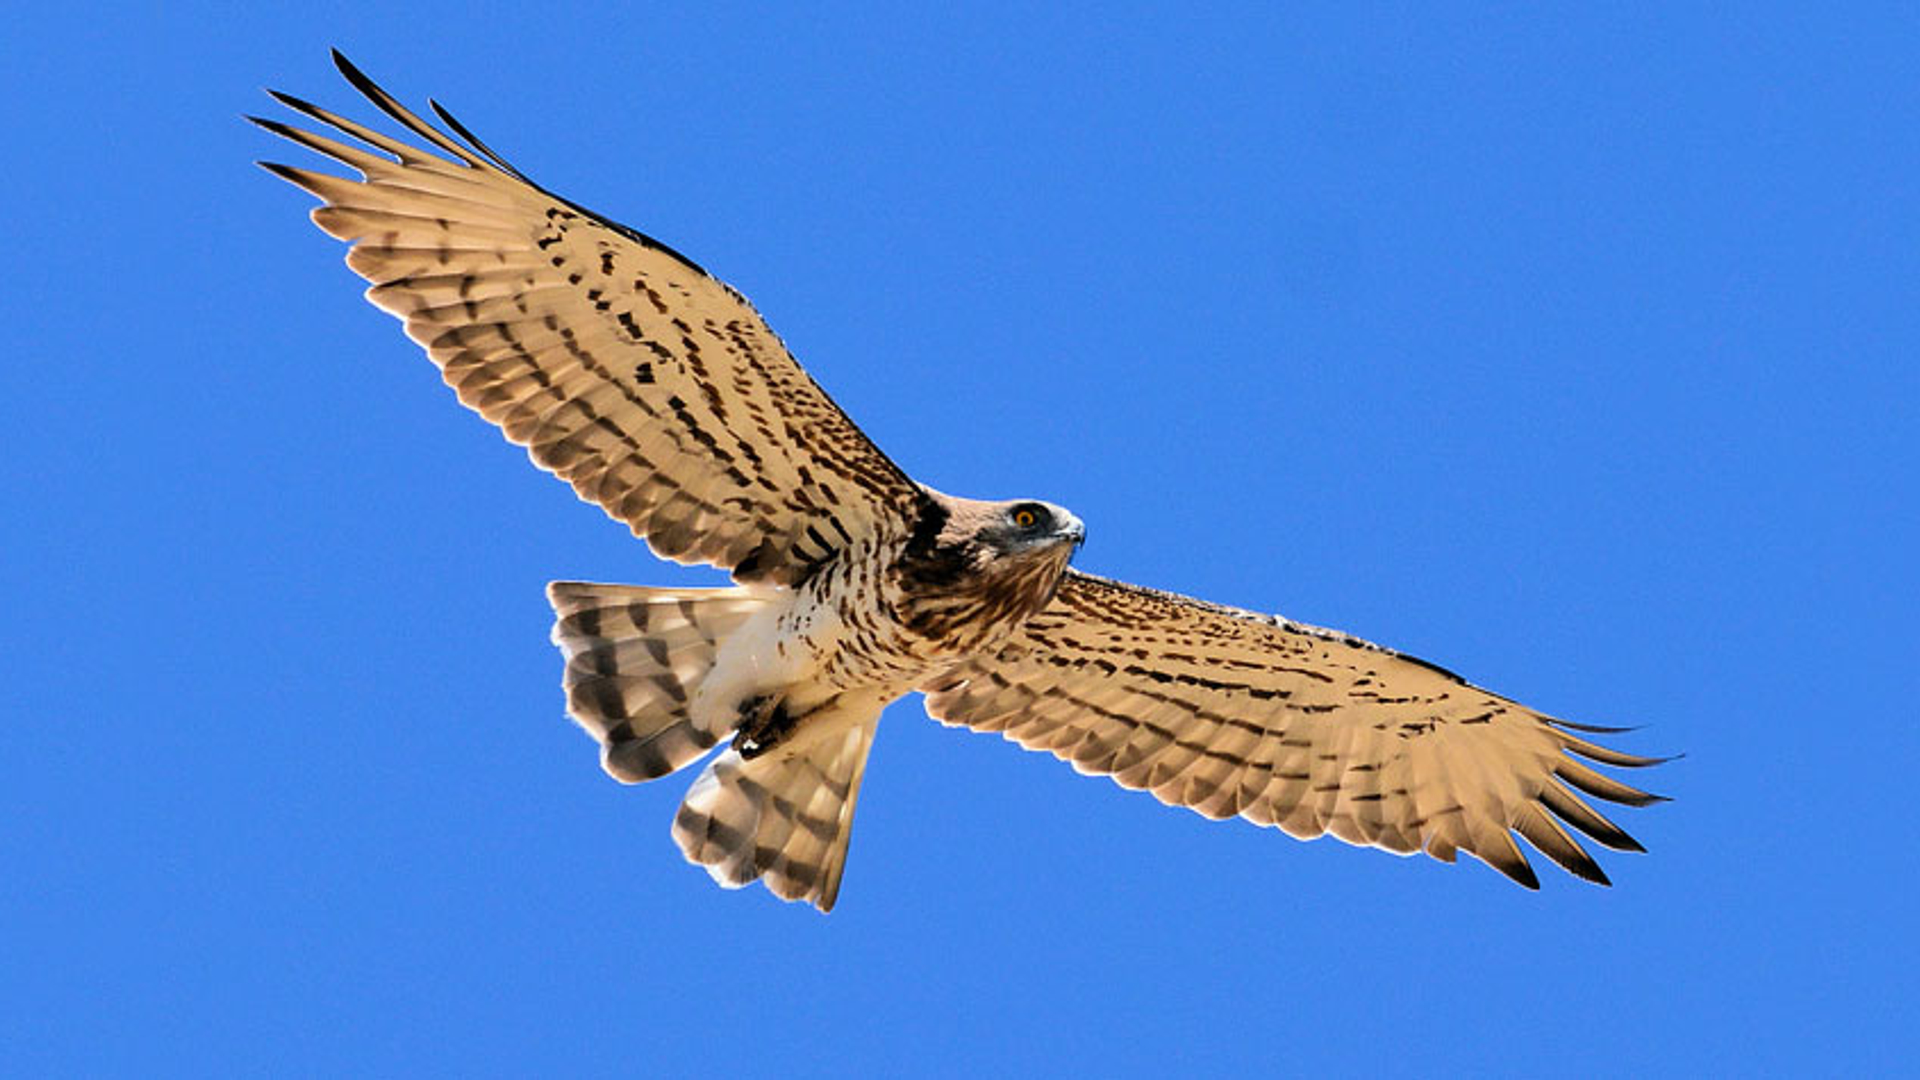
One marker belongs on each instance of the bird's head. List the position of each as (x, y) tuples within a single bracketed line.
[(987, 563), (1024, 528)]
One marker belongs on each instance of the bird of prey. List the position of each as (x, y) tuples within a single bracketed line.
[(659, 393)]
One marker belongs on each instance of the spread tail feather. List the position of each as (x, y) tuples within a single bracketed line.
[(783, 816), (635, 656)]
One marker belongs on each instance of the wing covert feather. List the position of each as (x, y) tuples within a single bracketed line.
[(1230, 712), (624, 368)]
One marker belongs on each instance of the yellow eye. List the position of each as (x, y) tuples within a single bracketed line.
[(1025, 518)]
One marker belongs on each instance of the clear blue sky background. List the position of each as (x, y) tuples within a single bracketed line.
[(1574, 351)]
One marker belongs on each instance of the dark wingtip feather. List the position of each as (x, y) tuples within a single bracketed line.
[(311, 111), (346, 67), (1590, 729), (361, 81), (1602, 786), (473, 140), (1512, 863), (1568, 807), (291, 175), (1623, 841), (297, 104), (1606, 755), (1549, 839), (367, 87), (1586, 870), (276, 127)]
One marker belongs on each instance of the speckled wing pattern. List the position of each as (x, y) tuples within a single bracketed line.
[(623, 368), (1229, 712)]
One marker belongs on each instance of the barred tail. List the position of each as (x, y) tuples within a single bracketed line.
[(783, 816), (635, 656)]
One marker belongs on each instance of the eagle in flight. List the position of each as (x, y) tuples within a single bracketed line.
[(659, 393)]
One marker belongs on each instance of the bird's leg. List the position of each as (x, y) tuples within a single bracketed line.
[(764, 723)]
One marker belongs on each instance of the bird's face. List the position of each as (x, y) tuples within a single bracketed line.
[(1022, 550), (975, 569), (1023, 528)]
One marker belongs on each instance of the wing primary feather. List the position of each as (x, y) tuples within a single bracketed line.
[(403, 153), (1569, 808), (1603, 787), (1606, 756), (1590, 729), (306, 181), (388, 104), (360, 160), (1500, 852), (460, 129), (1551, 840)]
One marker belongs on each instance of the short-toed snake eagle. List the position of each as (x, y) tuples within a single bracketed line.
[(660, 394)]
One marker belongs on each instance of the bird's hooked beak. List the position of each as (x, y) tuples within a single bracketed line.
[(1073, 529)]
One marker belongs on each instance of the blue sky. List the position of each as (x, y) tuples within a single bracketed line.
[(1573, 351)]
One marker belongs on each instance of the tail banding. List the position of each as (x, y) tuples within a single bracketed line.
[(784, 816), (778, 804), (635, 657)]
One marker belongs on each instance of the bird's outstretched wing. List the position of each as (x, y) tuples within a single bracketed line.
[(623, 368), (1229, 712)]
